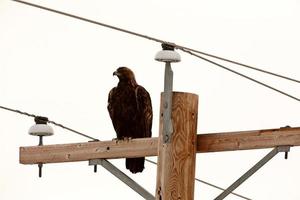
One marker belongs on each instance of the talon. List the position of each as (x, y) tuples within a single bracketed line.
[(127, 139), (115, 140)]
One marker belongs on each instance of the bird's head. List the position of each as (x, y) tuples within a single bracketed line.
[(124, 74)]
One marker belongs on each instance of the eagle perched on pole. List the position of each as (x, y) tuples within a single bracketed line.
[(130, 109)]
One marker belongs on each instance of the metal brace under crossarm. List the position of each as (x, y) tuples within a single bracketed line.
[(123, 177), (254, 169)]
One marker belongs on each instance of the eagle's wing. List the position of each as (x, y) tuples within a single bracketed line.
[(110, 109), (109, 106), (144, 108)]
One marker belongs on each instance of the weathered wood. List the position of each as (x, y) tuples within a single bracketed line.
[(176, 159), (88, 150), (245, 140), (212, 142)]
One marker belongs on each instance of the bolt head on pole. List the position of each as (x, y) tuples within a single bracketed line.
[(41, 130), (168, 56)]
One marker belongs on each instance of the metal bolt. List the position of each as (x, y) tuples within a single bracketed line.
[(166, 105), (40, 165), (40, 140), (167, 138)]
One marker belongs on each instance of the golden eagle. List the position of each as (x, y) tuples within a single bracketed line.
[(130, 109)]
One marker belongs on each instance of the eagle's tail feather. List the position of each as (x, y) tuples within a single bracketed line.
[(135, 164)]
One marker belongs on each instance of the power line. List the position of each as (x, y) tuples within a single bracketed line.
[(207, 183), (72, 130), (49, 121), (150, 161), (217, 187), (242, 75), (18, 111), (92, 21), (238, 63), (157, 40)]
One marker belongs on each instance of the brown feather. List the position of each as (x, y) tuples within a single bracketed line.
[(130, 109)]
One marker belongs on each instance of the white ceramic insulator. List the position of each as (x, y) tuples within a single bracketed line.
[(168, 56), (41, 130)]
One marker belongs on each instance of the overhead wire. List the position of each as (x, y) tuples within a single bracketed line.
[(242, 75), (92, 21), (72, 130), (49, 121), (217, 187), (207, 183), (18, 111), (238, 63), (157, 40)]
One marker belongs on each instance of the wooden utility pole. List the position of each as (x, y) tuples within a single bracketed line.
[(176, 159), (177, 144)]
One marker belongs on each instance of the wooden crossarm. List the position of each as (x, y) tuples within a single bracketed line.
[(213, 142), (88, 150), (245, 140)]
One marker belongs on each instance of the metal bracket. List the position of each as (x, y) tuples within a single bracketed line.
[(285, 149), (123, 177), (95, 166), (167, 104), (251, 171)]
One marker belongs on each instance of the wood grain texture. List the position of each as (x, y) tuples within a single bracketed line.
[(88, 150), (212, 142), (245, 140), (176, 160)]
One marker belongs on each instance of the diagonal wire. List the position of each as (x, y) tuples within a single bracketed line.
[(207, 183), (91, 21), (156, 40), (242, 75), (72, 130), (18, 111), (238, 63), (49, 121)]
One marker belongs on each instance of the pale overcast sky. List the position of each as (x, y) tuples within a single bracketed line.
[(59, 67)]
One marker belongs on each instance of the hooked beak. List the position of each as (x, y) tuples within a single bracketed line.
[(115, 73)]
